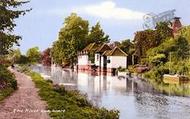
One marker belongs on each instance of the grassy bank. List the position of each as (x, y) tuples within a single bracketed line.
[(154, 77), (5, 92), (7, 82), (72, 104), (171, 89)]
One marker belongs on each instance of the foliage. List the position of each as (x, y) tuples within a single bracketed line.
[(164, 30), (75, 105), (23, 60), (126, 46), (8, 14), (171, 49), (147, 39), (33, 55), (185, 32), (7, 82), (97, 35), (72, 38), (14, 56), (144, 40), (46, 58)]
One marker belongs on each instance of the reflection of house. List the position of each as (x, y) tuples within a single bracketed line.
[(101, 57)]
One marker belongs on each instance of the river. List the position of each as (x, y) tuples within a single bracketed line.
[(134, 99)]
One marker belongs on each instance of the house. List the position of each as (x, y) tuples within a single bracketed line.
[(84, 59), (104, 58), (98, 56), (113, 59)]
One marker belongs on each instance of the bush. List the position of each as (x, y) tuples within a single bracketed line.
[(7, 82)]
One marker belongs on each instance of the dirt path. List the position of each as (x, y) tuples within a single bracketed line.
[(23, 103)]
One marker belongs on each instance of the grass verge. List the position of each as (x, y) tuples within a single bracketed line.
[(5, 93), (8, 83), (71, 104)]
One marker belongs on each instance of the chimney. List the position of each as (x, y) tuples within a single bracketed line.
[(176, 25)]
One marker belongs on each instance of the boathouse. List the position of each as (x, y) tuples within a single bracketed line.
[(101, 58)]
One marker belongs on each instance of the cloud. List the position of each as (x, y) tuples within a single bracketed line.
[(109, 10)]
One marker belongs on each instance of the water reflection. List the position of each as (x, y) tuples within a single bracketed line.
[(133, 98)]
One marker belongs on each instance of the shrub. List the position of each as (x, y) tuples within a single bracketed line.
[(7, 82)]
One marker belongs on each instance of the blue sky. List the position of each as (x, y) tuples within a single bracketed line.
[(120, 19)]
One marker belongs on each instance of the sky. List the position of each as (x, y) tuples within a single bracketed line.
[(120, 19)]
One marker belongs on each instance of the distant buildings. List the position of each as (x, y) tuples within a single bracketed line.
[(101, 58)]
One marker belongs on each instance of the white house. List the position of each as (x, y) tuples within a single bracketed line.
[(84, 61), (98, 56), (113, 59), (105, 59)]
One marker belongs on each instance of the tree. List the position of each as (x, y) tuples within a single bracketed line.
[(126, 46), (72, 38), (8, 14), (185, 32), (97, 35), (46, 58), (33, 54), (164, 30), (182, 48), (23, 60), (147, 39), (14, 55), (144, 40)]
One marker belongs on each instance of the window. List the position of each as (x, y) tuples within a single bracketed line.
[(97, 57)]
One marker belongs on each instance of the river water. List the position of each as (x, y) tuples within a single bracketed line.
[(134, 99)]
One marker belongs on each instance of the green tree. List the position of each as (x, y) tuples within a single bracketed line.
[(14, 55), (145, 40), (126, 46), (97, 35), (185, 32), (33, 54), (182, 48), (164, 30), (8, 14), (72, 38)]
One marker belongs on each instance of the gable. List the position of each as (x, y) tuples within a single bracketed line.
[(103, 48), (116, 52)]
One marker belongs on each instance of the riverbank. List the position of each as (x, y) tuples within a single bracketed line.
[(68, 104), (156, 80), (24, 102)]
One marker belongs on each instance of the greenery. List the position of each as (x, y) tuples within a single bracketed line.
[(73, 37), (71, 40), (164, 54), (7, 82), (8, 14), (97, 35), (147, 39), (76, 106), (14, 56), (33, 55)]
